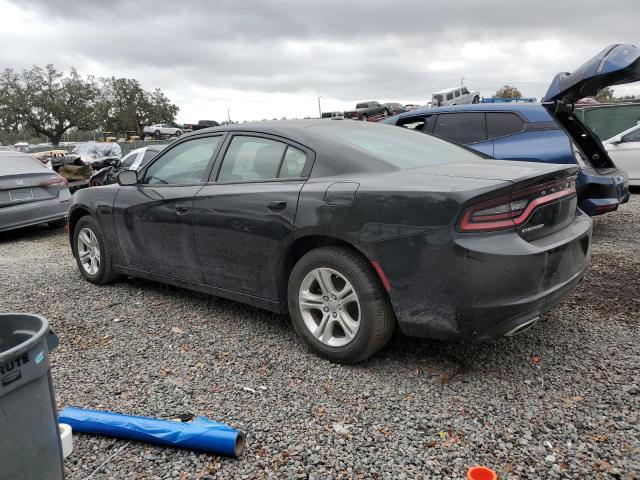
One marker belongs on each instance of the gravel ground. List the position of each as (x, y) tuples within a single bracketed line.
[(561, 400)]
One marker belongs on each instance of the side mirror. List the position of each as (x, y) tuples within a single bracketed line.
[(127, 178)]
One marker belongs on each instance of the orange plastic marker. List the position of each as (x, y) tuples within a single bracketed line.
[(481, 473)]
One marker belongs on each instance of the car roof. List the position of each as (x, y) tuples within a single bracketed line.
[(533, 112)]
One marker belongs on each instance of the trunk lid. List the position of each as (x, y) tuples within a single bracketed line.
[(29, 187), (615, 65)]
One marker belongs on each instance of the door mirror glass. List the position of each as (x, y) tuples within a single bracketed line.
[(127, 177)]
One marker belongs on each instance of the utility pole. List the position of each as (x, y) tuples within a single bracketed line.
[(319, 108), (462, 81), (229, 115)]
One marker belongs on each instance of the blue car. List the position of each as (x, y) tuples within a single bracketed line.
[(536, 132)]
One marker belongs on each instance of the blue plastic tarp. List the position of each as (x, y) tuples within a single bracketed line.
[(199, 434)]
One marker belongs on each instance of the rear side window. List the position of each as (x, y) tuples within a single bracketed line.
[(463, 128), (415, 123), (293, 163), (457, 93), (632, 137), (251, 159), (450, 96), (502, 124)]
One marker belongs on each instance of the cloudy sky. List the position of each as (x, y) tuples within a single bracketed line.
[(266, 59)]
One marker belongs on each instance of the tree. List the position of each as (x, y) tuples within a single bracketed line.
[(508, 91), (605, 95), (46, 101), (125, 106)]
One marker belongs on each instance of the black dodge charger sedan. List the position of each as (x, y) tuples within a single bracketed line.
[(350, 227)]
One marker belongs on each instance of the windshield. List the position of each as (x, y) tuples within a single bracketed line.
[(400, 147), (95, 151), (438, 97)]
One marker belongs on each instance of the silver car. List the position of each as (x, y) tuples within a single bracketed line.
[(30, 193)]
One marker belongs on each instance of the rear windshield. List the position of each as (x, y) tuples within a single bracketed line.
[(19, 164), (402, 148), (362, 105)]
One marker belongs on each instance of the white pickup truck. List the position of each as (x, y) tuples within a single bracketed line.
[(160, 129)]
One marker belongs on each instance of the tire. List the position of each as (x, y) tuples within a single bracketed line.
[(104, 272), (156, 133), (364, 118), (385, 112), (178, 133), (476, 99), (57, 223), (375, 319)]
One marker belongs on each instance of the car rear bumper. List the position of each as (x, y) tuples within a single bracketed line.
[(452, 286), (26, 214), (602, 193)]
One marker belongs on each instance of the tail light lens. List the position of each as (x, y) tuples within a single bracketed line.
[(508, 212), (57, 180)]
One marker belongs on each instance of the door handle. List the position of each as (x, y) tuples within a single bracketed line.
[(276, 205), (181, 208)]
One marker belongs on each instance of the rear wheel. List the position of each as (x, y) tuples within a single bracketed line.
[(156, 133), (338, 305), (364, 118), (385, 112), (178, 133), (92, 254)]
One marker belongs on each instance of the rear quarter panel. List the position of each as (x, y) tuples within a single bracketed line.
[(548, 146)]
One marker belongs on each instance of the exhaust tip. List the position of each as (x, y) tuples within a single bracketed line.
[(523, 327)]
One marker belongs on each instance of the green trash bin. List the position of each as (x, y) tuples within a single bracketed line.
[(30, 445)]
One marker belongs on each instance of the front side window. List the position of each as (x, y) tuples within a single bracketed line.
[(184, 164), (501, 124), (251, 159), (457, 93), (463, 128), (632, 137)]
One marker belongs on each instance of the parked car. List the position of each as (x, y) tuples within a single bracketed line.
[(366, 110), (525, 132), (547, 132), (97, 154), (348, 226), (135, 160), (454, 96), (394, 108), (30, 193), (624, 150), (162, 129), (192, 127)]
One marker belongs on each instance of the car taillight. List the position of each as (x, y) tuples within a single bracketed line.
[(510, 211), (58, 180)]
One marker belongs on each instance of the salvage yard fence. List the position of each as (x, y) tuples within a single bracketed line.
[(607, 121)]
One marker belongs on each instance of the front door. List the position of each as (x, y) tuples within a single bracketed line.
[(153, 219), (246, 214)]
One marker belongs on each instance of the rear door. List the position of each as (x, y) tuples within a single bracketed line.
[(467, 128), (501, 128), (153, 218), (246, 213)]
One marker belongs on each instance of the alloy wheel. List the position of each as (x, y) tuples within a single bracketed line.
[(329, 306), (89, 251)]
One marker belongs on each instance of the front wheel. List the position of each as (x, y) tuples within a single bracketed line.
[(338, 305), (476, 99), (92, 254)]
